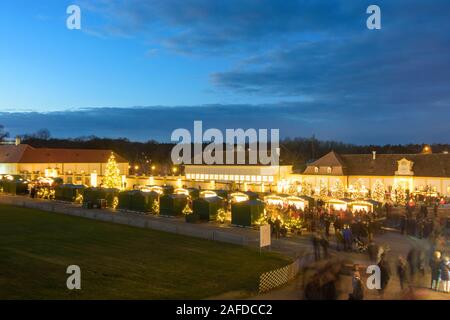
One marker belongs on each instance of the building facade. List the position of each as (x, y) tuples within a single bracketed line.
[(411, 172)]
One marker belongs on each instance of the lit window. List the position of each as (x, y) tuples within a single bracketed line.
[(188, 176), (270, 178), (253, 178), (202, 176), (225, 177), (264, 178), (247, 178), (236, 178), (259, 178), (216, 177), (220, 176), (329, 170), (316, 169), (206, 176), (241, 178)]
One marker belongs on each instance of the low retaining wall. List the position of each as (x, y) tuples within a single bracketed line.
[(131, 219)]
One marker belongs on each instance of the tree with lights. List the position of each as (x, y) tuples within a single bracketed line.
[(338, 189), (358, 190), (399, 194), (306, 189), (378, 191), (112, 177)]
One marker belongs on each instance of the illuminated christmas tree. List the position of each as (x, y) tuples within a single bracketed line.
[(399, 194), (358, 190), (338, 190), (306, 189), (378, 191), (112, 177)]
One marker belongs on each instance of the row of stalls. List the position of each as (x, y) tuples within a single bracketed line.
[(13, 184)]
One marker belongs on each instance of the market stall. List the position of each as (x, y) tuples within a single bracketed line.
[(172, 204), (364, 205), (300, 203), (69, 192), (246, 213), (338, 204)]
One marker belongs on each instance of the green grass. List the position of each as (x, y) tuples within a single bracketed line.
[(117, 262)]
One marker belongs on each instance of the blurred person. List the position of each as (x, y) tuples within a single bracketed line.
[(358, 287), (445, 274), (402, 271)]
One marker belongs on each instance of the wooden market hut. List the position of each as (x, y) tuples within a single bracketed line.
[(246, 213)]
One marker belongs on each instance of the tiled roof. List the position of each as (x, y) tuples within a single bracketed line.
[(27, 154)]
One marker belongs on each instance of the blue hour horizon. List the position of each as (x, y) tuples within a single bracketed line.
[(143, 69)]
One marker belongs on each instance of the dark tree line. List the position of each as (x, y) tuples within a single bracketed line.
[(296, 151)]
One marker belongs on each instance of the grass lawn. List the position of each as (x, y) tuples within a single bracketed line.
[(116, 261)]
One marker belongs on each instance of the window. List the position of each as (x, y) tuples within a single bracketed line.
[(270, 178), (316, 169), (188, 176), (247, 178), (329, 169)]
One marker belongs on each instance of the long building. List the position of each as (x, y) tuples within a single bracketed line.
[(414, 172)]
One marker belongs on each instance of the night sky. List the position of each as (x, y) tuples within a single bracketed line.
[(140, 69)]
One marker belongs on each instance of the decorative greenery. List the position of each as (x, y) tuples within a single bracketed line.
[(221, 215), (399, 194), (338, 189), (323, 189), (378, 191), (358, 190), (112, 177), (187, 209), (306, 189)]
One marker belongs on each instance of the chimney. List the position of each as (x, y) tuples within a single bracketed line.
[(374, 155), (17, 140)]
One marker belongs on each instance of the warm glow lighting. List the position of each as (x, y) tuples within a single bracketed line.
[(157, 189), (239, 197), (94, 179), (181, 191), (207, 194)]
